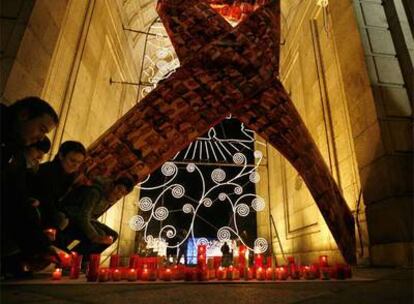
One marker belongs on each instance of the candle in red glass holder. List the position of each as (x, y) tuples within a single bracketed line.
[(291, 260), (281, 273), (133, 261), (50, 233), (242, 256), (323, 261), (294, 271), (258, 260), (260, 274), (314, 268), (324, 273), (114, 261), (116, 274), (103, 275), (202, 274), (236, 274), (76, 263), (230, 272), (145, 274), (248, 274), (167, 274), (221, 273), (190, 274), (57, 274), (93, 267), (132, 274), (307, 273), (269, 273), (65, 259)]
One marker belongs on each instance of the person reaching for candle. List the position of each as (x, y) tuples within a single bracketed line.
[(83, 205), (23, 123), (54, 179)]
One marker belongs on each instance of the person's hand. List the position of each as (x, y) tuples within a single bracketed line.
[(106, 240)]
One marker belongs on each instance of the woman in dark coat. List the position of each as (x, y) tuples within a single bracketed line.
[(54, 179)]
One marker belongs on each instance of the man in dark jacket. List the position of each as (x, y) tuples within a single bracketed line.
[(84, 205), (23, 123)]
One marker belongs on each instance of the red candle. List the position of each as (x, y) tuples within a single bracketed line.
[(133, 261), (93, 267), (202, 274), (114, 261), (307, 273), (325, 273), (65, 259), (260, 274), (221, 273), (103, 275), (167, 274), (145, 274), (249, 274), (242, 256), (57, 274), (50, 233), (230, 273), (294, 272), (291, 259), (132, 274), (75, 265), (281, 273), (269, 273), (190, 274), (323, 260), (116, 274), (258, 260)]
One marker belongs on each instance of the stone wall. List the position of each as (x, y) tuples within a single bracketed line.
[(386, 169), (311, 72)]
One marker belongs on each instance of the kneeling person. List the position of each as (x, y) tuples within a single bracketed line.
[(84, 205)]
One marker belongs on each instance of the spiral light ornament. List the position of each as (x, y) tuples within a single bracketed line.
[(239, 158), (178, 191), (161, 213), (136, 223), (218, 175), (188, 208), (254, 177), (242, 210), (258, 204), (191, 167), (168, 169), (260, 245), (238, 190), (224, 233), (145, 204), (207, 202)]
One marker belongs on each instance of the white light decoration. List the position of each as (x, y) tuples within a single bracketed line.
[(188, 208), (159, 65), (243, 210), (178, 191), (238, 190), (218, 175), (222, 196), (136, 223), (168, 169), (207, 202), (161, 213), (260, 245), (258, 204), (224, 234), (145, 204), (254, 177)]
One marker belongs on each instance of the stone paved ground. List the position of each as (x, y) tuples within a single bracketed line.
[(368, 286)]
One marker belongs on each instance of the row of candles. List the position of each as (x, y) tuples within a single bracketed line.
[(150, 269)]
